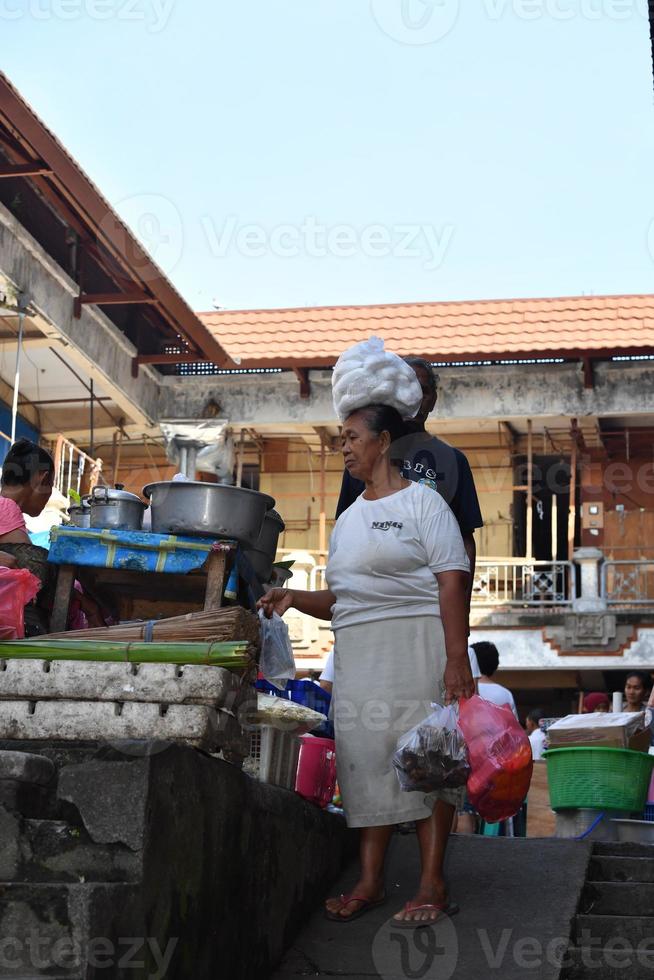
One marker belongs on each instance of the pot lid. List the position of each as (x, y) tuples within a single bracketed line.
[(101, 494)]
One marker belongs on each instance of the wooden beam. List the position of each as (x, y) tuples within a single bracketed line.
[(112, 299), (322, 528), (530, 489), (302, 374), (35, 169), (572, 510)]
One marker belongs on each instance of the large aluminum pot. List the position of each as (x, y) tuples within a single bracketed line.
[(263, 555), (116, 510), (208, 510), (80, 514)]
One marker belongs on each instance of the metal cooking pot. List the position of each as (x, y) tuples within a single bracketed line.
[(263, 555), (116, 509), (80, 514), (208, 510)]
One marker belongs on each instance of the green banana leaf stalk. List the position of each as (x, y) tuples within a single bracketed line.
[(233, 655)]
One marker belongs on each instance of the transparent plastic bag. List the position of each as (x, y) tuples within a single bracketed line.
[(500, 758), (17, 587), (433, 755), (277, 663)]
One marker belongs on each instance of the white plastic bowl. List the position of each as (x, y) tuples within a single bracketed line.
[(635, 831)]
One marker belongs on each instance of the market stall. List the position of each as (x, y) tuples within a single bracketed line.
[(178, 660)]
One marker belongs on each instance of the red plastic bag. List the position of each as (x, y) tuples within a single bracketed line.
[(17, 587), (500, 758)]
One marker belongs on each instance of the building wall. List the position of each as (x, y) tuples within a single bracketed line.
[(290, 472)]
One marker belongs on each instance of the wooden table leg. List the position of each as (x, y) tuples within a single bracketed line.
[(215, 565), (61, 604)]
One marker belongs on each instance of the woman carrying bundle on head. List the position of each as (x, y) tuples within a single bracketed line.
[(397, 576)]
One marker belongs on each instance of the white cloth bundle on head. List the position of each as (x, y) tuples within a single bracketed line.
[(366, 374)]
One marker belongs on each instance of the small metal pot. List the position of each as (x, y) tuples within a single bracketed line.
[(80, 514), (116, 510), (263, 555), (208, 510)]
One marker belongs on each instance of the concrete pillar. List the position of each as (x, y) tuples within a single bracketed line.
[(589, 561)]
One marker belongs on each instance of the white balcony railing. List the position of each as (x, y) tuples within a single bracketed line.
[(521, 582), (507, 581), (627, 583)]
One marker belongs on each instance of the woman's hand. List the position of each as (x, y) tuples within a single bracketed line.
[(458, 679), (276, 601)]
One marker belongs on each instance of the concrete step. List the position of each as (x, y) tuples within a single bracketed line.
[(599, 930), (608, 964), (617, 898), (615, 849), (613, 868)]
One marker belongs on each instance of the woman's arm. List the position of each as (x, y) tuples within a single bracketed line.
[(453, 592), (316, 604)]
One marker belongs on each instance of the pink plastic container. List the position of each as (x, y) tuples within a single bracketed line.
[(316, 770)]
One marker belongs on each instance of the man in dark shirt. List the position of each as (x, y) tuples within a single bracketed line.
[(431, 461)]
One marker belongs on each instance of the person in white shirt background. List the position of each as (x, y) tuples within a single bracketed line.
[(488, 660), (535, 732)]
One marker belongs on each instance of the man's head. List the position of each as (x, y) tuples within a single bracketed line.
[(534, 719), (636, 689), (429, 383), (488, 657)]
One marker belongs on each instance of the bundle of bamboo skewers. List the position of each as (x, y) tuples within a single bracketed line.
[(228, 623)]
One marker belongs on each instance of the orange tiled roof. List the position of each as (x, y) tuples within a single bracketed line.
[(496, 329)]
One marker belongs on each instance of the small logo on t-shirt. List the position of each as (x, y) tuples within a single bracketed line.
[(386, 525)]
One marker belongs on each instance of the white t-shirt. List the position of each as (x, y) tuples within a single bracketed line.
[(328, 671), (384, 554), (498, 695), (537, 739), (474, 664)]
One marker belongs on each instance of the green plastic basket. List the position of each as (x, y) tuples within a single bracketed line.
[(598, 778)]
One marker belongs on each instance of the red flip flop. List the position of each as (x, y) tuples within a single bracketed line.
[(445, 910), (367, 906)]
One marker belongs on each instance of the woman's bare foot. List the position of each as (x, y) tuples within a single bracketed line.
[(434, 894), (365, 891)]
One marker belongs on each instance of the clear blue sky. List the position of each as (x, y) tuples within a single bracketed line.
[(506, 145)]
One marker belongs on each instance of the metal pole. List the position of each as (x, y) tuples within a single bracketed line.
[(14, 407), (92, 436)]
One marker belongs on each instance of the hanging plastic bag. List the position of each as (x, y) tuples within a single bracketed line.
[(432, 755), (17, 587), (276, 663), (500, 758)]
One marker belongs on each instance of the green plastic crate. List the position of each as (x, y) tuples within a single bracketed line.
[(598, 778)]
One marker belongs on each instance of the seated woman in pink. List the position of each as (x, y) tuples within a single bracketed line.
[(25, 488)]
